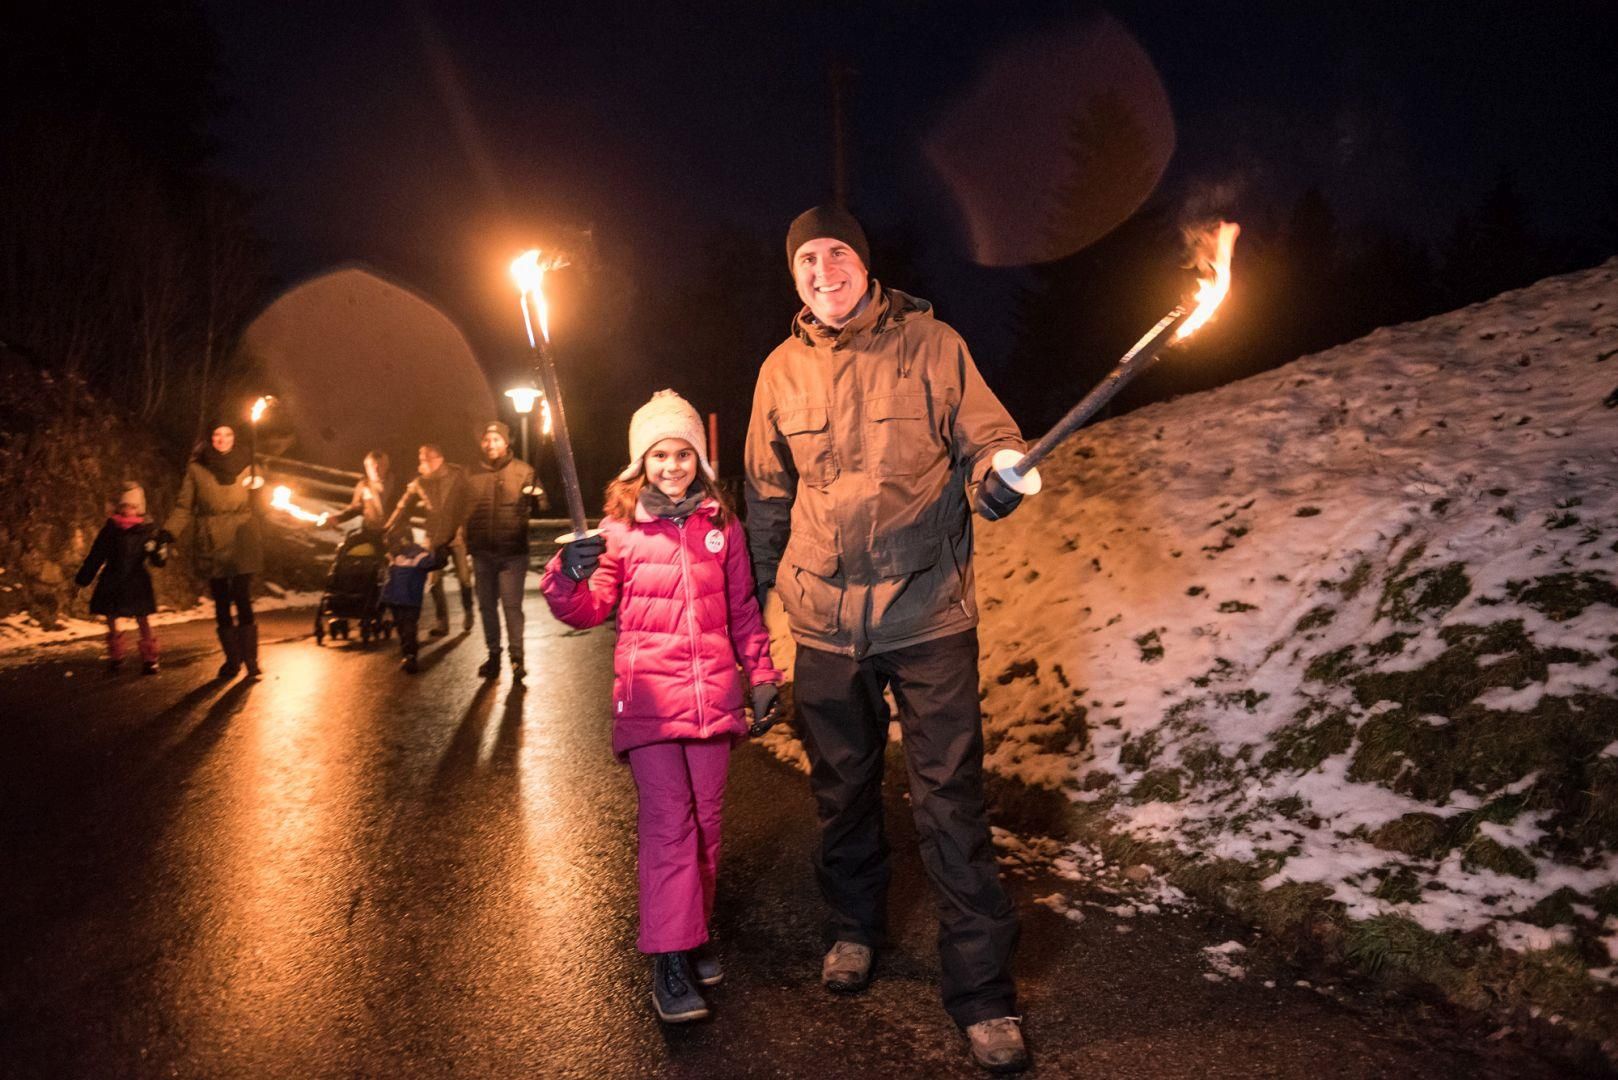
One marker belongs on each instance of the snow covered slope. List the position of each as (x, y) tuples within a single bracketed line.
[(1350, 622)]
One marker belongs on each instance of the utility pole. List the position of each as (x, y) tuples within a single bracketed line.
[(841, 75)]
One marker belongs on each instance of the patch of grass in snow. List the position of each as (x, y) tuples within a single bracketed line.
[(1137, 752), (1481, 750), (1331, 667), (1419, 835), (1158, 785), (1392, 645), (1410, 598), (1151, 647), (1306, 742), (1318, 616), (1393, 941), (1483, 853), (1560, 597), (1235, 607), (1307, 511), (1398, 884)]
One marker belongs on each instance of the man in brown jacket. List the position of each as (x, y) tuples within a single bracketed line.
[(870, 422)]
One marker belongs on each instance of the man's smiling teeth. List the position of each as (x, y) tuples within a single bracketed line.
[(827, 288)]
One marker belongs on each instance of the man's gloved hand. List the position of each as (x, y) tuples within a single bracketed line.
[(765, 696), (320, 522), (995, 498), (762, 594), (582, 556)]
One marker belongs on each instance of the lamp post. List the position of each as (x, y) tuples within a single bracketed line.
[(522, 399)]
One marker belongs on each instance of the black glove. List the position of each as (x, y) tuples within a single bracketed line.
[(765, 715), (582, 556), (164, 538), (995, 498)]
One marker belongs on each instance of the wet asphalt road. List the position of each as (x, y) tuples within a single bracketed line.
[(344, 871)]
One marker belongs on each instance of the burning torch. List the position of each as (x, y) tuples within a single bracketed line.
[(282, 500), (254, 415), (1012, 475), (529, 271)]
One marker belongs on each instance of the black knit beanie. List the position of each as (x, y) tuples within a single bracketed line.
[(832, 221)]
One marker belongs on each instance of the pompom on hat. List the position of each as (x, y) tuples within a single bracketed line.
[(666, 416)]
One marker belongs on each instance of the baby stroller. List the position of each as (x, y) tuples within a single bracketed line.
[(354, 592)]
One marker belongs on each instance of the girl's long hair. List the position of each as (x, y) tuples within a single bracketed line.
[(624, 495)]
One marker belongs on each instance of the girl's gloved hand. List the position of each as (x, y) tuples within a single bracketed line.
[(765, 697), (581, 557)]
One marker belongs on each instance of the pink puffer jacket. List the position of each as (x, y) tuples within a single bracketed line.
[(686, 618)]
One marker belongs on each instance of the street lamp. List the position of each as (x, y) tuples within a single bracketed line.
[(522, 399)]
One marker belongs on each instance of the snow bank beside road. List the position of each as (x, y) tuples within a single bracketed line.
[(1352, 623)]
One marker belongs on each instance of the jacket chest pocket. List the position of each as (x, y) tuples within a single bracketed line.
[(899, 439), (808, 434)]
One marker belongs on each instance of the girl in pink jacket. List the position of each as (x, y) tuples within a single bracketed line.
[(672, 558)]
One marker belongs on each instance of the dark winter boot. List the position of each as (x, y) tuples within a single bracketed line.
[(674, 989), (229, 642), (490, 668), (471, 612), (249, 638), (148, 667), (705, 964), (518, 671)]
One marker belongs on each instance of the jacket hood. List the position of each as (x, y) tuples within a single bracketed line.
[(889, 308)]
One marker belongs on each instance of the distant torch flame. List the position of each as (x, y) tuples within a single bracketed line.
[(1212, 252), (282, 500), (528, 270), (544, 416), (259, 406)]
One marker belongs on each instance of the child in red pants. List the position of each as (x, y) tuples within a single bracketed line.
[(672, 558), (123, 547)]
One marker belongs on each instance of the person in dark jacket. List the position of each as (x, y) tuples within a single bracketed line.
[(439, 490), (123, 547), (222, 495), (500, 501), (409, 565)]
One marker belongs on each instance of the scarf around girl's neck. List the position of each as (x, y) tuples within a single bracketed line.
[(225, 467), (657, 504)]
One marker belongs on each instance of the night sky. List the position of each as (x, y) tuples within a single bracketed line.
[(434, 140)]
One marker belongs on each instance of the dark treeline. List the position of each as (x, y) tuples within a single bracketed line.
[(126, 263)]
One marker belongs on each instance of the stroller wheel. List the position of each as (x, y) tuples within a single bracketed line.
[(320, 630)]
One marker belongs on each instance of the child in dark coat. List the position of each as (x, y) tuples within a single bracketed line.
[(123, 547), (409, 564)]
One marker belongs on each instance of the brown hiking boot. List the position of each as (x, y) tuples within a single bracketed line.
[(847, 968), (997, 1044)]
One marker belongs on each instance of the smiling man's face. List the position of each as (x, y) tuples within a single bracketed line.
[(830, 279)]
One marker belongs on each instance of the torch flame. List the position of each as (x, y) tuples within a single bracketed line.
[(528, 270), (259, 406), (544, 415), (1213, 252), (282, 500)]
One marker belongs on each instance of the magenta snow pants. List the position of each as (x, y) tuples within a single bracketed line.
[(682, 798), (115, 639)]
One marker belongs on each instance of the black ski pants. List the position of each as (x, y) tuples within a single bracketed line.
[(845, 727), (234, 591)]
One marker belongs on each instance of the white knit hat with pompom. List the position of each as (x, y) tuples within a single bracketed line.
[(666, 416)]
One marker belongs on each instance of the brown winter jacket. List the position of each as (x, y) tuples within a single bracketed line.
[(229, 520), (861, 445), (441, 494)]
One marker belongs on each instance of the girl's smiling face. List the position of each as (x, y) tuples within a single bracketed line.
[(671, 465)]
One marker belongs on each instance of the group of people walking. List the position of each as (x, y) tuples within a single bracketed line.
[(871, 434)]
